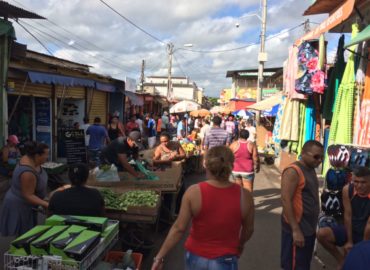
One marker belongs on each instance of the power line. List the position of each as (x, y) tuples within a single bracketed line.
[(132, 23), (242, 47), (39, 41), (178, 64), (77, 49)]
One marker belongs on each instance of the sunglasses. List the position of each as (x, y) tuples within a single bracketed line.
[(318, 157)]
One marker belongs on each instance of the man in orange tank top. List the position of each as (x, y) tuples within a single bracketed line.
[(301, 208)]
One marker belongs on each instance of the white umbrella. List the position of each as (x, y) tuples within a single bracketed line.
[(184, 106)]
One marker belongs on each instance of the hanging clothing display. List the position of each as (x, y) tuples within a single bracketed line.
[(310, 78), (334, 81), (342, 124), (360, 81), (290, 75), (277, 125), (363, 136), (289, 129)]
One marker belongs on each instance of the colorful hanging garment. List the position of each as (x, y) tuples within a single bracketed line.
[(364, 130), (290, 75), (334, 81), (310, 78), (360, 81), (342, 124), (277, 125)]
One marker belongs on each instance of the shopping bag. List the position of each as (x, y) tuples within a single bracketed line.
[(109, 174), (149, 175)]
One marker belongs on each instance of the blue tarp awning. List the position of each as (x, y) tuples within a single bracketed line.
[(105, 87), (50, 78), (272, 112)]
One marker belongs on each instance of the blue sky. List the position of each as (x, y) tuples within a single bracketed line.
[(114, 47)]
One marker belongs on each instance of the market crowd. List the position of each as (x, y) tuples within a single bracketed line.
[(219, 230)]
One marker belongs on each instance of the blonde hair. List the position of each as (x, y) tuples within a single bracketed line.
[(219, 161)]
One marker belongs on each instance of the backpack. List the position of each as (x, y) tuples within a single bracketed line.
[(332, 203)]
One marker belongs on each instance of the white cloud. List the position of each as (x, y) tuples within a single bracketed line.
[(112, 46)]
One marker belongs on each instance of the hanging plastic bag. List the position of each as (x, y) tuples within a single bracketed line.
[(106, 173), (149, 175)]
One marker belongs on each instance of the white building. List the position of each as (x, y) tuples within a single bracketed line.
[(182, 87)]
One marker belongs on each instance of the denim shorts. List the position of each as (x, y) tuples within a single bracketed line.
[(194, 262), (246, 176)]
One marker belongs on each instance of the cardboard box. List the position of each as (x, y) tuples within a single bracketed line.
[(58, 244), (22, 245), (41, 245), (82, 244)]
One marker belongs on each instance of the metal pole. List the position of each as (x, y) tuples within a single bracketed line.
[(261, 56), (170, 47)]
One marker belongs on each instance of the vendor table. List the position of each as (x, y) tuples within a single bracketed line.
[(170, 181)]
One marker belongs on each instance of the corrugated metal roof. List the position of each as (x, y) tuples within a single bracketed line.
[(9, 11), (322, 6)]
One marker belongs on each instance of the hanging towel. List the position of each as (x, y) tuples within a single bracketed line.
[(342, 124), (334, 81)]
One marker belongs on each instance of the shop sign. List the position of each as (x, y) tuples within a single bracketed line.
[(74, 140), (43, 120)]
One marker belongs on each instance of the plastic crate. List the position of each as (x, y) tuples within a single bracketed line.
[(15, 262), (117, 256)]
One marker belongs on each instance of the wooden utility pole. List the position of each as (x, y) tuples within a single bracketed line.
[(142, 76)]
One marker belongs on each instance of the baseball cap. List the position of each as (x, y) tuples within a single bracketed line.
[(13, 139), (135, 136)]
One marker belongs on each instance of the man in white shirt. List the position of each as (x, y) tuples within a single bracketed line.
[(85, 126), (165, 121), (140, 123), (252, 130)]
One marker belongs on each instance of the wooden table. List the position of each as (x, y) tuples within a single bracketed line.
[(170, 181)]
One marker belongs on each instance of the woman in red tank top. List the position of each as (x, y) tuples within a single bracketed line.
[(247, 162), (221, 214)]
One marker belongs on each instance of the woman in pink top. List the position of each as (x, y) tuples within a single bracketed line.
[(246, 160)]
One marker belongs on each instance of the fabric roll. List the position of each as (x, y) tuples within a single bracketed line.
[(289, 129)]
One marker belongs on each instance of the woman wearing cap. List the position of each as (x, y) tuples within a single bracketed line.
[(27, 191), (214, 242), (77, 199), (9, 155)]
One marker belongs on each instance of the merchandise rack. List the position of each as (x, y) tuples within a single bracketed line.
[(15, 262)]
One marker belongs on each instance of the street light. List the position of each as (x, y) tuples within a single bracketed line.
[(170, 51)]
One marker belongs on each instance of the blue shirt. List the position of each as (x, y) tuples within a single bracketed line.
[(98, 134), (180, 129), (151, 128), (358, 258)]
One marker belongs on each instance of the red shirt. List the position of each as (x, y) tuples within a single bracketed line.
[(130, 126), (215, 231)]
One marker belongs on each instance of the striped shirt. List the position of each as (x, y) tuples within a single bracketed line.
[(216, 136)]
